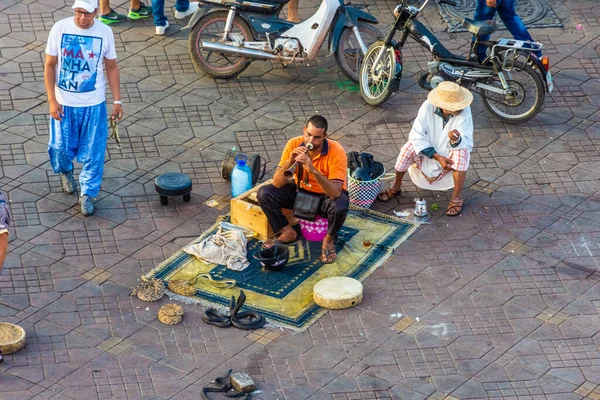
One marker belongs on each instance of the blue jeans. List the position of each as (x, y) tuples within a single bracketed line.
[(81, 134), (508, 15), (158, 10)]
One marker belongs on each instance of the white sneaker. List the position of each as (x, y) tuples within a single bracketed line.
[(191, 9), (160, 30)]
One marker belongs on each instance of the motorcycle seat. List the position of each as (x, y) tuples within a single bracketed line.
[(479, 27)]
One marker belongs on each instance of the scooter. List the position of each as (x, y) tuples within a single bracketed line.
[(512, 81), (226, 35)]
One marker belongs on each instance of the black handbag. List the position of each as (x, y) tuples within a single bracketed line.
[(307, 204)]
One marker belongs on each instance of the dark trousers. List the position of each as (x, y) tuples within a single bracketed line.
[(272, 200)]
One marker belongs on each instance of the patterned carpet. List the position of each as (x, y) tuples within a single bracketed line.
[(285, 297)]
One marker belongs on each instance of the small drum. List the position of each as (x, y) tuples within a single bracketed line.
[(338, 292)]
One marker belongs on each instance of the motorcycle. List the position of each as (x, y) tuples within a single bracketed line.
[(226, 35), (512, 81)]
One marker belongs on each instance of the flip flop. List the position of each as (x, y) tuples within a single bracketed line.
[(328, 256), (389, 194), (273, 241), (457, 206)]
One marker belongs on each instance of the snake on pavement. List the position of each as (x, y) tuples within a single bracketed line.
[(246, 320)]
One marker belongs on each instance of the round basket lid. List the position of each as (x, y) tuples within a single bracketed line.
[(12, 337)]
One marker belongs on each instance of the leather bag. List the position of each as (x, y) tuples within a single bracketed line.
[(307, 204)]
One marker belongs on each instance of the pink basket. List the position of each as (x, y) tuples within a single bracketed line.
[(314, 231)]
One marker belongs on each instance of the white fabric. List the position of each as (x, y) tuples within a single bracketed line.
[(428, 130), (80, 80), (223, 248)]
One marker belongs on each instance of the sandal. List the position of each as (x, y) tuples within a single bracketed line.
[(273, 241), (389, 194), (328, 255), (454, 208)]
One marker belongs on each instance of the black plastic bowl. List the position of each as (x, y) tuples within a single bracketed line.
[(273, 258)]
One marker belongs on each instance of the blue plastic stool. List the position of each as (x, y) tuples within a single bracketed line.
[(173, 184)]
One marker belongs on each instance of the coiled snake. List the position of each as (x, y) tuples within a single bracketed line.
[(246, 320), (223, 385)]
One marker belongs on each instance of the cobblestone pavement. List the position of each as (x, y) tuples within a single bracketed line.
[(502, 302)]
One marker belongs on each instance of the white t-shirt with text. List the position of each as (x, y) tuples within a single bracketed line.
[(80, 80)]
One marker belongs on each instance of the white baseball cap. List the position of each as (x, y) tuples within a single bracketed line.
[(87, 5)]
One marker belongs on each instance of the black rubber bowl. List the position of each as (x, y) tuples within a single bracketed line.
[(273, 258)]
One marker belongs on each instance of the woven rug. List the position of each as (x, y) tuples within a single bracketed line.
[(534, 13), (285, 297)]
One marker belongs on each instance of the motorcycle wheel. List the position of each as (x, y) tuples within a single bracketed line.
[(377, 82), (211, 28), (525, 100), (348, 54)]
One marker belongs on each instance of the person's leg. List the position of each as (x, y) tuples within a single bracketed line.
[(293, 11), (158, 11), (336, 211), (107, 15), (461, 158), (3, 248), (406, 158), (64, 141), (182, 5), (92, 146), (138, 10), (271, 200), (104, 7), (514, 23), (483, 13)]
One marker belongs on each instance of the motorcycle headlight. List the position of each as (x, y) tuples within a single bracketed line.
[(397, 11)]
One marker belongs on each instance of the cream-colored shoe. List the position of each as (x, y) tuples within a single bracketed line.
[(191, 9), (160, 30)]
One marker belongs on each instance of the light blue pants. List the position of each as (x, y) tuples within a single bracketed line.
[(82, 133)]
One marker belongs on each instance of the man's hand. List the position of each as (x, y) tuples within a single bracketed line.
[(454, 135), (445, 162), (56, 110), (296, 152), (306, 162), (491, 3), (117, 111)]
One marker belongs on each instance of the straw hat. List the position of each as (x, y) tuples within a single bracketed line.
[(417, 177), (450, 96)]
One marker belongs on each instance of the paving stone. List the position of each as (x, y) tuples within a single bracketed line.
[(506, 295)]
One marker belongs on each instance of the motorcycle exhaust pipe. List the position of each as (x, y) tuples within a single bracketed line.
[(238, 51)]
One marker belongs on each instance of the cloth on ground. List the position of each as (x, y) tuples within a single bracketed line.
[(223, 248)]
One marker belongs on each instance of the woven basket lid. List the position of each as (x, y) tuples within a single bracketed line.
[(12, 337)]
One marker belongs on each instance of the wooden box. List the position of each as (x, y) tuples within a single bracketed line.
[(246, 212)]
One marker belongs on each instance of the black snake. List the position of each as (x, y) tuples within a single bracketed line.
[(223, 385), (247, 320)]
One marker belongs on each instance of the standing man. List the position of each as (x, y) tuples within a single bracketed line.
[(78, 49), (440, 141), (324, 170), (485, 11)]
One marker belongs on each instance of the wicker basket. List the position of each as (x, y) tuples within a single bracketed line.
[(363, 193)]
